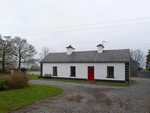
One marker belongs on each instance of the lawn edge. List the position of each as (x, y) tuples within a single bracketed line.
[(36, 101)]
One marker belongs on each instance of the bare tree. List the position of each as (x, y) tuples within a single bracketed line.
[(14, 62), (44, 53), (6, 52), (30, 62), (35, 65), (138, 56), (23, 51)]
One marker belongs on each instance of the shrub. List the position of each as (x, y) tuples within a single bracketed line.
[(2, 84), (16, 80)]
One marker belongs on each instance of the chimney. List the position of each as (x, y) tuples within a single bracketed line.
[(70, 50), (100, 48)]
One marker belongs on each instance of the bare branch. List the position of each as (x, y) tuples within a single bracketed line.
[(44, 53), (23, 51), (5, 51), (138, 56)]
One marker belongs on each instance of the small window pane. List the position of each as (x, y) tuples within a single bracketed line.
[(110, 72), (55, 71), (73, 71), (91, 70)]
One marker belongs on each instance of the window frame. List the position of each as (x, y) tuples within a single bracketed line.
[(55, 70), (108, 74), (72, 72)]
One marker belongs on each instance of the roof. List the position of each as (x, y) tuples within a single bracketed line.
[(121, 55)]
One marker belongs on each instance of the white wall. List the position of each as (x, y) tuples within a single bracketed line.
[(100, 49), (69, 51), (100, 70)]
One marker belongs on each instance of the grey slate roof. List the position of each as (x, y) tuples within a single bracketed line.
[(121, 55)]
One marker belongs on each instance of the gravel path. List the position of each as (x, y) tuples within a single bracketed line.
[(88, 98)]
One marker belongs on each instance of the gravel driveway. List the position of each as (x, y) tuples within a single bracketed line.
[(88, 98)]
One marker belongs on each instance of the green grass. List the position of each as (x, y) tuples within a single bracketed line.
[(112, 84), (35, 77), (64, 80), (14, 99)]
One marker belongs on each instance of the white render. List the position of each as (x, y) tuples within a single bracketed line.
[(69, 51), (100, 70), (100, 49)]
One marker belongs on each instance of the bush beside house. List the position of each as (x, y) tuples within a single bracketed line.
[(16, 80)]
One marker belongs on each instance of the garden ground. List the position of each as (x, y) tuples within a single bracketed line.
[(14, 99)]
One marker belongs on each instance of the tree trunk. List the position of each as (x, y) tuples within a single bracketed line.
[(19, 63), (3, 63)]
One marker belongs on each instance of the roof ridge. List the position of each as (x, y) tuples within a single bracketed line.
[(57, 52), (116, 49), (85, 51), (92, 50)]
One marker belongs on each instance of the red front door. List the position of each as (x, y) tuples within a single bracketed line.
[(91, 73)]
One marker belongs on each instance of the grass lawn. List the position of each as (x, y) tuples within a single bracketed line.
[(35, 77), (112, 84), (14, 99)]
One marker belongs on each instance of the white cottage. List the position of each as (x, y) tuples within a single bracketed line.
[(102, 65)]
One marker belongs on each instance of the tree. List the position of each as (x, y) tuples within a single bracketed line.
[(6, 52), (14, 62), (35, 67), (148, 61), (30, 62), (138, 56), (44, 53), (23, 51)]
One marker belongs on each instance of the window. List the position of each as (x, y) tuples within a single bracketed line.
[(73, 70), (110, 72), (91, 70), (55, 71)]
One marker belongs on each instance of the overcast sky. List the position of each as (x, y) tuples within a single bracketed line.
[(80, 23)]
